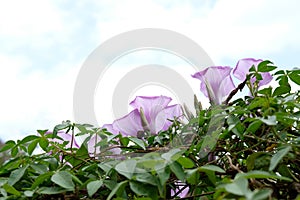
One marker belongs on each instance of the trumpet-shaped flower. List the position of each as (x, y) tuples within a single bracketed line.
[(242, 69), (216, 83), (150, 114), (156, 111)]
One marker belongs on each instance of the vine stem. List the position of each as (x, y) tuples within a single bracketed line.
[(233, 92)]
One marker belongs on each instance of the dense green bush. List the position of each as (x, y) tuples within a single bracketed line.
[(247, 148)]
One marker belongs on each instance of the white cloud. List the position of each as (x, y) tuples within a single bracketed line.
[(33, 101), (238, 28), (29, 18), (231, 28)]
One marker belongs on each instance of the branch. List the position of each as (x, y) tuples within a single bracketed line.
[(232, 165)]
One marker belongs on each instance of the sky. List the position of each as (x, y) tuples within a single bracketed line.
[(43, 45)]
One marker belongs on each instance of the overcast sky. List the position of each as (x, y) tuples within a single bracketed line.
[(43, 45)]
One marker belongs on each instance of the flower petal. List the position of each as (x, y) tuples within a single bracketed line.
[(162, 120), (242, 69), (91, 145), (183, 193), (109, 128), (243, 66), (219, 80), (129, 124), (151, 105), (266, 78)]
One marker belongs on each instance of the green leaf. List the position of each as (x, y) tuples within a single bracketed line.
[(118, 190), (40, 179), (8, 145), (250, 162), (52, 163), (283, 89), (254, 126), (252, 68), (93, 187), (258, 103), (11, 190), (266, 91), (4, 194), (59, 127), (29, 138), (264, 67), (3, 181), (28, 193), (76, 179), (51, 190), (163, 175), (262, 194), (63, 179), (143, 189), (81, 154), (186, 162), (260, 174), (169, 156), (124, 141), (146, 178), (14, 151), (176, 168), (106, 166), (295, 77), (39, 168), (32, 146), (111, 137), (43, 142), (138, 142), (284, 81), (278, 157), (126, 168), (211, 168), (271, 120), (193, 176), (285, 171), (279, 72), (42, 132), (238, 187), (16, 175), (235, 125)]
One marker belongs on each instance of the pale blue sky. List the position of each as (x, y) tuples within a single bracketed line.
[(44, 43)]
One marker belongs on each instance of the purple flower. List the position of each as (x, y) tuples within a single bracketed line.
[(156, 111), (242, 69), (130, 124), (179, 187), (95, 150), (64, 137), (150, 113), (216, 83)]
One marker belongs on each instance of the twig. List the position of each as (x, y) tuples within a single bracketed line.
[(232, 165)]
